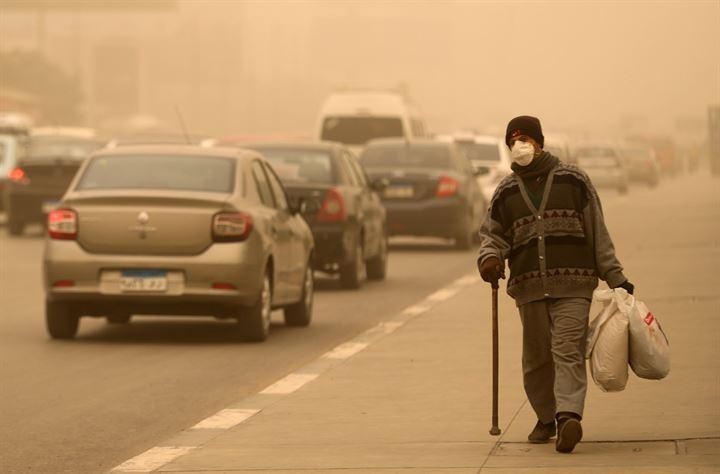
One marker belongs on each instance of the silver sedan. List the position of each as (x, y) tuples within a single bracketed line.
[(177, 230)]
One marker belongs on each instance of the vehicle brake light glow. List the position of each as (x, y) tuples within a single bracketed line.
[(62, 224), (447, 186), (18, 175), (224, 286), (231, 226), (63, 284), (333, 207)]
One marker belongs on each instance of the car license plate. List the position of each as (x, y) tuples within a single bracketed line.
[(399, 192), (49, 206), (143, 280)]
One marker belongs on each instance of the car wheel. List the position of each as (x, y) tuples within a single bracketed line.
[(352, 274), (15, 227), (118, 318), (60, 320), (377, 266), (300, 313), (256, 319), (464, 239)]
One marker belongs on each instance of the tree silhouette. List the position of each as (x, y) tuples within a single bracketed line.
[(58, 93)]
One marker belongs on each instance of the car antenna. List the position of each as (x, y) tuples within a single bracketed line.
[(182, 124)]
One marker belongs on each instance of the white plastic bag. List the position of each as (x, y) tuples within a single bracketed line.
[(649, 346), (607, 342)]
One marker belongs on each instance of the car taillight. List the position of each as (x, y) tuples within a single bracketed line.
[(231, 226), (18, 175), (447, 186), (62, 224), (333, 207)]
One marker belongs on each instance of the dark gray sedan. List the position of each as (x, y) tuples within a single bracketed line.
[(431, 189), (349, 226)]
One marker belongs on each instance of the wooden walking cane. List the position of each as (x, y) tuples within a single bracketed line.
[(495, 430)]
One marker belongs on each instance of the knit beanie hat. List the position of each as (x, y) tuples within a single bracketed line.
[(525, 125)]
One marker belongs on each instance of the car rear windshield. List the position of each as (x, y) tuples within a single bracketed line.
[(407, 156), (189, 173), (300, 166), (598, 161), (360, 130), (637, 153), (480, 151), (67, 148), (597, 157), (595, 151), (555, 150)]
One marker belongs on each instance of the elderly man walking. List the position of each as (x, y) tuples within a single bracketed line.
[(546, 220)]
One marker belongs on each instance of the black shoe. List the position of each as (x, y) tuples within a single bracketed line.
[(542, 432), (569, 434)]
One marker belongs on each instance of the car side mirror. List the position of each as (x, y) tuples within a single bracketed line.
[(305, 205), (480, 170), (379, 184)]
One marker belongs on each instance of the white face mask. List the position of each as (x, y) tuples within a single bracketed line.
[(522, 153)]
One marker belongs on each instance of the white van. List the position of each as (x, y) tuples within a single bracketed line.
[(353, 118)]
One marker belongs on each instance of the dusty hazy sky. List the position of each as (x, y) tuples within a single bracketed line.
[(598, 65), (581, 63)]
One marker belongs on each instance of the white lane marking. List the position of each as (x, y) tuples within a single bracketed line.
[(390, 326), (467, 280), (157, 457), (225, 419), (415, 310), (153, 459), (442, 295), (289, 384), (343, 351)]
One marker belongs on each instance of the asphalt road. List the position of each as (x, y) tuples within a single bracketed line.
[(88, 404)]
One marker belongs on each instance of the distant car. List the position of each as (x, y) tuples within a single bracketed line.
[(264, 138), (14, 129), (489, 156), (559, 146), (354, 117), (157, 138), (603, 165), (42, 175), (430, 190), (641, 163), (177, 230), (12, 148), (349, 228)]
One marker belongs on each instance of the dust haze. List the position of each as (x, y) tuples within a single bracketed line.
[(233, 67)]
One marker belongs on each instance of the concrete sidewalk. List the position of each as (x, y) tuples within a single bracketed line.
[(415, 394)]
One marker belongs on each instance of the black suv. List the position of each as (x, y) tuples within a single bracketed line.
[(42, 175)]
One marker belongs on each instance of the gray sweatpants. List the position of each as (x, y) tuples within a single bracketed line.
[(553, 360)]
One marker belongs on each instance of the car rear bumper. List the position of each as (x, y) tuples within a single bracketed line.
[(333, 245), (96, 278), (3, 195), (30, 205), (433, 217)]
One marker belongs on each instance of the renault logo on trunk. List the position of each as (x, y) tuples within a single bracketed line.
[(143, 229)]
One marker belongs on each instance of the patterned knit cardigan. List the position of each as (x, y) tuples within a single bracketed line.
[(557, 250)]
